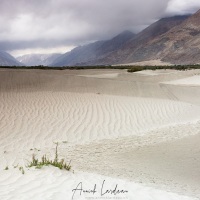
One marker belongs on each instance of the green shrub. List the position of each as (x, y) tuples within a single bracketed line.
[(135, 69), (45, 161)]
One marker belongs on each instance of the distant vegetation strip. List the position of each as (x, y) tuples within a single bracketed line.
[(130, 68), (175, 67)]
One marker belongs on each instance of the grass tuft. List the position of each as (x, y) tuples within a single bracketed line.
[(22, 170), (45, 161)]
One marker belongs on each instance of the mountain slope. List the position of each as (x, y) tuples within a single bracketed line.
[(8, 60), (183, 46), (180, 45), (94, 51), (38, 59), (135, 49), (136, 52)]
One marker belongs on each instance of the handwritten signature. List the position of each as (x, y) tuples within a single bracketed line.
[(102, 192)]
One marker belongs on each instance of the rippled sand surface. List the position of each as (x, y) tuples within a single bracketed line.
[(113, 122)]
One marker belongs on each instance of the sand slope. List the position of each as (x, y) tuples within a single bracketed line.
[(51, 183), (95, 111), (190, 81)]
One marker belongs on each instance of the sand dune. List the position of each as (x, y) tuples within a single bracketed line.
[(110, 75), (190, 81), (50, 183), (41, 118), (155, 72), (164, 162), (90, 109)]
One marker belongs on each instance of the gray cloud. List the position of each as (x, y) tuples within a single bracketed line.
[(182, 7), (51, 23)]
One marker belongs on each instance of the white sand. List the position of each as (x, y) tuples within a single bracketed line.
[(155, 72), (91, 110), (111, 75), (80, 118), (190, 81), (51, 183)]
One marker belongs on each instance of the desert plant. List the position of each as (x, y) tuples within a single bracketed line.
[(45, 161), (6, 168), (15, 166), (22, 170)]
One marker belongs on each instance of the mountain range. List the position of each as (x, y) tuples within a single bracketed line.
[(130, 47), (173, 40), (97, 50), (38, 59), (8, 60)]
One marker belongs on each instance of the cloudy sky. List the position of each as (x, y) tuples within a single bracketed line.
[(44, 26)]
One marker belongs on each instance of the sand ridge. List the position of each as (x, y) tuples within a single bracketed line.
[(190, 81), (79, 118)]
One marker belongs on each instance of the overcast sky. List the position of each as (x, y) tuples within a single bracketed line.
[(43, 26)]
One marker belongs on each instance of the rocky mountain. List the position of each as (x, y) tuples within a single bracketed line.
[(38, 59), (92, 52), (124, 48), (179, 45), (136, 49), (174, 40), (8, 60)]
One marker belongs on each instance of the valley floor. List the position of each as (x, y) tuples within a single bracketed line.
[(140, 131)]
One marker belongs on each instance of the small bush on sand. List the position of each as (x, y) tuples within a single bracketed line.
[(45, 161), (22, 170)]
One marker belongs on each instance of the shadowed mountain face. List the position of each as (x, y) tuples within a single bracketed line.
[(92, 52), (8, 60), (38, 59)]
